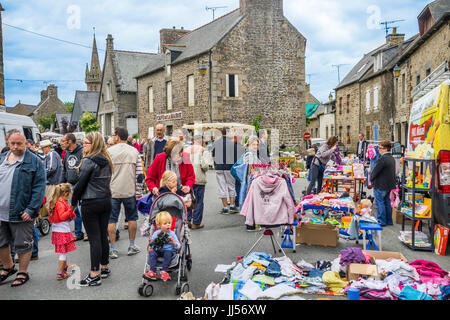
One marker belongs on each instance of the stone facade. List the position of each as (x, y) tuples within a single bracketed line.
[(50, 103), (265, 52), (94, 74), (348, 115)]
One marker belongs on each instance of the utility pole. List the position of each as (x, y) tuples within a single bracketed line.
[(338, 66), (213, 9)]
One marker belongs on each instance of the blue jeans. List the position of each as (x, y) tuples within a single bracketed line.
[(78, 223), (238, 190), (196, 215), (35, 251), (383, 203), (130, 206), (153, 258)]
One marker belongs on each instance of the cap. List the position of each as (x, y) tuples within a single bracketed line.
[(45, 143)]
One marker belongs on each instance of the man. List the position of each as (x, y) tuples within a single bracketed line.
[(383, 181), (22, 177), (263, 149), (126, 187), (155, 145), (361, 147), (72, 158), (225, 156), (53, 168), (31, 145)]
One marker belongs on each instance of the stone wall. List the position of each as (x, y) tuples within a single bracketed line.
[(108, 106), (348, 116)]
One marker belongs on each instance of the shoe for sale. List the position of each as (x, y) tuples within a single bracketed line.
[(234, 209), (197, 226), (224, 211), (164, 276), (91, 281), (150, 275), (113, 254), (133, 250), (105, 272)]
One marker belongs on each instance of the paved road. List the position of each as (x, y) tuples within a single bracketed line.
[(221, 241)]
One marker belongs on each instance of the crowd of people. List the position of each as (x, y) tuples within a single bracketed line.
[(90, 181)]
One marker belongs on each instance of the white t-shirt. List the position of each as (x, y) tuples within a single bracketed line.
[(61, 226)]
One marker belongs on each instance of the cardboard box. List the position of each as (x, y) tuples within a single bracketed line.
[(317, 234), (355, 270), (397, 217), (440, 239)]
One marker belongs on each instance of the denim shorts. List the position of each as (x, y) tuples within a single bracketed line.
[(19, 234), (129, 204)]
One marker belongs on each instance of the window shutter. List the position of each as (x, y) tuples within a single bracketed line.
[(150, 100)]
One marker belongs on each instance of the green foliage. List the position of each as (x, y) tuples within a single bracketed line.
[(257, 123), (68, 107), (88, 122), (46, 122)]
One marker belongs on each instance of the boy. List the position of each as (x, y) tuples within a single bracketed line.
[(164, 244)]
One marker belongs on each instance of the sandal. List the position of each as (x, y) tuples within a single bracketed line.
[(21, 280), (62, 276), (10, 271)]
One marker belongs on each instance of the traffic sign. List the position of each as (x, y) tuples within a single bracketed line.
[(307, 136)]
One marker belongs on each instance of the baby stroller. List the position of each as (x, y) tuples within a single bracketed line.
[(182, 261)]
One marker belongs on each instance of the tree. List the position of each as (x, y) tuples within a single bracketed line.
[(46, 122), (257, 123), (68, 107), (88, 122)]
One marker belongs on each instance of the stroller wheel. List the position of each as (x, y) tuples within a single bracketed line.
[(44, 226), (189, 264), (185, 288), (145, 290)]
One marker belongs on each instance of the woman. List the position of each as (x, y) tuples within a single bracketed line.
[(93, 192), (174, 159), (325, 153)]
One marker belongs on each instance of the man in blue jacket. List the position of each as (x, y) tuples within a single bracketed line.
[(23, 180)]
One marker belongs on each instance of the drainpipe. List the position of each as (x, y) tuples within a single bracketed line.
[(210, 86)]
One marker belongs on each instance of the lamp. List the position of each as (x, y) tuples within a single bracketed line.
[(202, 69), (330, 97), (397, 71)]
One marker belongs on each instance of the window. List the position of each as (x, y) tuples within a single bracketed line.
[(348, 103), (340, 132), (326, 130), (108, 92), (169, 95), (232, 85), (375, 98), (417, 79), (332, 130), (368, 133), (340, 105), (168, 62), (150, 100), (317, 132), (191, 96), (427, 72), (368, 100), (378, 62), (348, 135), (403, 88)]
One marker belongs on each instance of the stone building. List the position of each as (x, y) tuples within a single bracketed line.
[(247, 63), (49, 104), (425, 62), (93, 77), (117, 104), (84, 101), (22, 109)]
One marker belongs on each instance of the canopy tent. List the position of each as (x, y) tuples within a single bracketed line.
[(218, 125), (50, 134), (310, 109)]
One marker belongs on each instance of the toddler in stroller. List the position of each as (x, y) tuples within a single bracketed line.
[(164, 243)]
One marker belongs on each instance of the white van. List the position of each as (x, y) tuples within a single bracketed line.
[(24, 124)]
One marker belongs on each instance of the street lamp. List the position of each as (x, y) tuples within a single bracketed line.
[(397, 71), (202, 69), (330, 97)]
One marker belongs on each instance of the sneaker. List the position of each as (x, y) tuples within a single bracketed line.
[(113, 254), (104, 273), (133, 250), (91, 281), (164, 276), (150, 275), (224, 211), (34, 258), (234, 209), (197, 226), (62, 276), (256, 228)]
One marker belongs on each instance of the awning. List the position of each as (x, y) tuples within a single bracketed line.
[(218, 125), (310, 109)]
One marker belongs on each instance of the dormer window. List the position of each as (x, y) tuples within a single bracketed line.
[(168, 62), (378, 62)]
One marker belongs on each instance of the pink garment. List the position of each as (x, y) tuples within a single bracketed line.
[(137, 146), (428, 268), (268, 202)]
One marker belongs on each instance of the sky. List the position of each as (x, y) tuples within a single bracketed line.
[(338, 32)]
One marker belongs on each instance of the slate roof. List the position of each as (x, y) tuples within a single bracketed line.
[(198, 41), (438, 8), (84, 101), (22, 109), (127, 65)]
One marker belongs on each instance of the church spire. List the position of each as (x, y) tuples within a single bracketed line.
[(94, 75)]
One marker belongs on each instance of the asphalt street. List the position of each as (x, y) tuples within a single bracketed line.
[(222, 241)]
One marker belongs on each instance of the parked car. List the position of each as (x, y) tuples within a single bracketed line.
[(24, 124)]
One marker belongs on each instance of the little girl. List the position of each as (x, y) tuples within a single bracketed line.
[(60, 215), (169, 183)]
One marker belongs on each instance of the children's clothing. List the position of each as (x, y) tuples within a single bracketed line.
[(166, 252), (62, 238)]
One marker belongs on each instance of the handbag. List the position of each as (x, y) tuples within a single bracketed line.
[(193, 201), (235, 166)]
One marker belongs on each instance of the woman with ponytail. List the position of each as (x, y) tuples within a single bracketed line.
[(60, 215)]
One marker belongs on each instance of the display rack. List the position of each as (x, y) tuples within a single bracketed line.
[(414, 190)]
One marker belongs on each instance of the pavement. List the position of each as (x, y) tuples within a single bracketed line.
[(222, 241)]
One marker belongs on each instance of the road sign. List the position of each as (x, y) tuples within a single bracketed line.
[(307, 136)]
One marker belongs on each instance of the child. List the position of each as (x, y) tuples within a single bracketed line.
[(60, 215), (169, 183), (164, 244)]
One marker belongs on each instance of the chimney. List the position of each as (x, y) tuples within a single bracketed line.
[(170, 36), (395, 38), (52, 91), (247, 6), (44, 95), (109, 43)]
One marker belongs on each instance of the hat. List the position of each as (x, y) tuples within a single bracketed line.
[(45, 143)]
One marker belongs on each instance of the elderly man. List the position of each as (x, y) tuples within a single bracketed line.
[(155, 145), (22, 177), (31, 145), (53, 167)]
